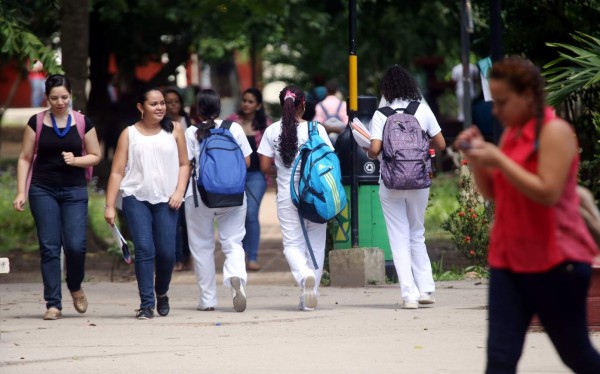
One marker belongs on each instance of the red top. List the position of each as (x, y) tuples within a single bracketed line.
[(528, 237)]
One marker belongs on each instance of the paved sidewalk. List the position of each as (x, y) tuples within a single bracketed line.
[(354, 330), (359, 330)]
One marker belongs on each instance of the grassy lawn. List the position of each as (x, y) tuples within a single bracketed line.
[(442, 202)]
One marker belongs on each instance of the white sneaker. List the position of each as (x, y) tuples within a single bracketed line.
[(426, 298), (410, 305), (309, 294), (238, 293), (302, 306)]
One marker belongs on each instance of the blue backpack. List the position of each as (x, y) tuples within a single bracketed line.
[(320, 195), (222, 169)]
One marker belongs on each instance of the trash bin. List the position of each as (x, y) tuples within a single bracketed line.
[(372, 231)]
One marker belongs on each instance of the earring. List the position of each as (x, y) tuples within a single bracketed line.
[(142, 114)]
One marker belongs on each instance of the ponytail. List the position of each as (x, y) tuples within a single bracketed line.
[(290, 99)]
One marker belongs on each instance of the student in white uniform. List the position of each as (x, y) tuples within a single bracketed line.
[(281, 142), (150, 170), (230, 221), (404, 210)]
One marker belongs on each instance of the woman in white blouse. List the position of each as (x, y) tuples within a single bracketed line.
[(150, 170)]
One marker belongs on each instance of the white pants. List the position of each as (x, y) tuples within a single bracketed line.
[(294, 244), (404, 212), (201, 239)]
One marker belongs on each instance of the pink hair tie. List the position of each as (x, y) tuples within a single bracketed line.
[(289, 95)]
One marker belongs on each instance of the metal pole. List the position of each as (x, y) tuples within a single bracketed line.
[(353, 108), (465, 29), (497, 52)]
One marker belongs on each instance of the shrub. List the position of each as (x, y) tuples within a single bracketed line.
[(470, 223)]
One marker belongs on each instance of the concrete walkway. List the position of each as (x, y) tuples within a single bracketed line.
[(354, 330)]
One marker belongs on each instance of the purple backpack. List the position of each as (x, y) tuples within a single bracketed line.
[(406, 162)]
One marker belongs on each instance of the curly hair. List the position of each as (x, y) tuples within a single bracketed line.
[(209, 108), (397, 83), (260, 118), (165, 123), (522, 75), (290, 98)]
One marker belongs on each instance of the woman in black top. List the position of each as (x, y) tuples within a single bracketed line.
[(57, 159)]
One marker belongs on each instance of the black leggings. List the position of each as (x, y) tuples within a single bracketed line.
[(559, 298)]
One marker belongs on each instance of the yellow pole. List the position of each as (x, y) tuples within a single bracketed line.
[(353, 87)]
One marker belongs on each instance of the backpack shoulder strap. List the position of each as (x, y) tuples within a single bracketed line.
[(412, 108), (313, 128), (386, 111), (39, 122), (323, 109), (337, 111), (80, 123), (226, 124)]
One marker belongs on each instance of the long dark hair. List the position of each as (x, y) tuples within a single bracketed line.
[(165, 123), (522, 75), (290, 99), (260, 118), (397, 83), (208, 109), (57, 80)]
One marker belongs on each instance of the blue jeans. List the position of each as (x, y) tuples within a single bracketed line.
[(153, 232), (60, 215), (256, 185), (559, 298)]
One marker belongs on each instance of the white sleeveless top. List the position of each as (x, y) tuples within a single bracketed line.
[(152, 166)]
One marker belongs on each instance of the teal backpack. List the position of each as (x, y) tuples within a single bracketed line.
[(320, 195)]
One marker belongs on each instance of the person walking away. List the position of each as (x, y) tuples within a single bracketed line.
[(331, 112), (51, 172), (404, 205), (280, 143), (254, 121), (150, 171), (176, 113), (201, 218), (540, 251)]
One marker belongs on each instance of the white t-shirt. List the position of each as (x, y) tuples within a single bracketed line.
[(152, 167), (193, 146), (269, 147), (423, 114)]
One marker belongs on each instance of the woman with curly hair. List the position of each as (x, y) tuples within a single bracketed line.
[(404, 210), (281, 142)]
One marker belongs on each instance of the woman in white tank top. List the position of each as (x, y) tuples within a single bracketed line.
[(150, 170)]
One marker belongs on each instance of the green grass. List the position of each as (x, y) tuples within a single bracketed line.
[(17, 228), (442, 202)]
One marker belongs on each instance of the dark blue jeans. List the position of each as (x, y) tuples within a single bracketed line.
[(153, 232), (60, 215), (559, 298), (256, 185)]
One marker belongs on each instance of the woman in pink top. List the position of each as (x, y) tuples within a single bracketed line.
[(540, 252)]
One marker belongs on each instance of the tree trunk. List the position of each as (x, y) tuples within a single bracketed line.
[(74, 45)]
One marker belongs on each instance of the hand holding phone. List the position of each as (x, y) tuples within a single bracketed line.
[(464, 145)]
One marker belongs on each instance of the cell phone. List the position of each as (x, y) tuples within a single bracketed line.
[(465, 145)]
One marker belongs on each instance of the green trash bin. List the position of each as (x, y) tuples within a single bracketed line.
[(371, 223)]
